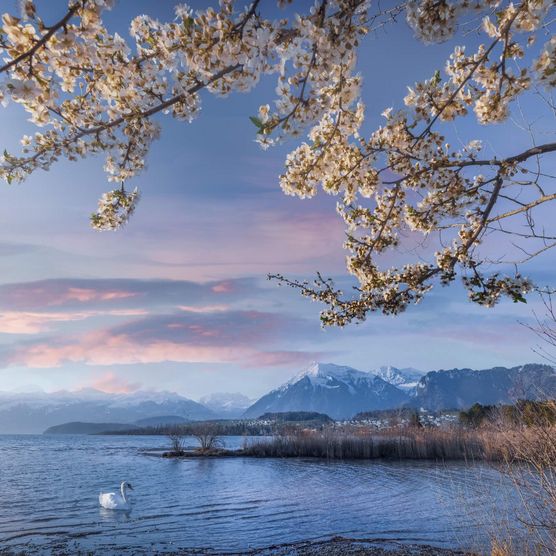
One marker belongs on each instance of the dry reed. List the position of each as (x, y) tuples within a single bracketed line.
[(398, 443)]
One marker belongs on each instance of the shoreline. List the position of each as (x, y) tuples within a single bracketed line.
[(344, 546), (194, 454), (333, 546)]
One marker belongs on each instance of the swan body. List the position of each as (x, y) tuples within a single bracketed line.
[(116, 500)]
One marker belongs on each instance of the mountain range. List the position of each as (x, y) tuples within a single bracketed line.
[(336, 390), (34, 412), (341, 392)]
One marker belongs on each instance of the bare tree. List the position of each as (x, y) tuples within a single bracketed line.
[(530, 462), (207, 435), (175, 437), (530, 445), (545, 328)]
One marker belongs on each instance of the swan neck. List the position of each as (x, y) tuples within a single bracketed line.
[(122, 490)]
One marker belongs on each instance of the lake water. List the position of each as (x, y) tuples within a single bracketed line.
[(49, 489)]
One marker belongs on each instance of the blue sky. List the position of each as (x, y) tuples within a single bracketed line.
[(179, 299)]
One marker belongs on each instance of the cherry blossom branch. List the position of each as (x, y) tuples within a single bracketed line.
[(43, 40)]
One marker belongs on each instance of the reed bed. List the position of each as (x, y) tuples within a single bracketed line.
[(489, 444)]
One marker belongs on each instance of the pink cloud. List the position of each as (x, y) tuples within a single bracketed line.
[(112, 384), (88, 294), (166, 340), (103, 348), (52, 293), (203, 308), (15, 322), (226, 286), (121, 312), (279, 358), (26, 322), (122, 350)]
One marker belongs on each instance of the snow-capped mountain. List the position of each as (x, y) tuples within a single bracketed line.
[(406, 378), (34, 412), (227, 405), (336, 390)]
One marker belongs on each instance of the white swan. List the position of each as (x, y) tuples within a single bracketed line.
[(116, 500)]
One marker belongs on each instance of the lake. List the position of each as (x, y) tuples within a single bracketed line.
[(49, 498)]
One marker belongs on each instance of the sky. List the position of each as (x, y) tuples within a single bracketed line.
[(179, 300)]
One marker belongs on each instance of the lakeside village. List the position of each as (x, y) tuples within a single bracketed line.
[(423, 417)]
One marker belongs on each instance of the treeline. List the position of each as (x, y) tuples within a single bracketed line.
[(303, 417), (524, 412), (403, 413)]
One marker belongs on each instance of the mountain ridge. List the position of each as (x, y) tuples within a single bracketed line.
[(461, 388)]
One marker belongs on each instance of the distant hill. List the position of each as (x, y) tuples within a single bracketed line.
[(335, 390), (78, 427), (161, 421)]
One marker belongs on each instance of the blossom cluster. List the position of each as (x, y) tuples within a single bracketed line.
[(114, 209)]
